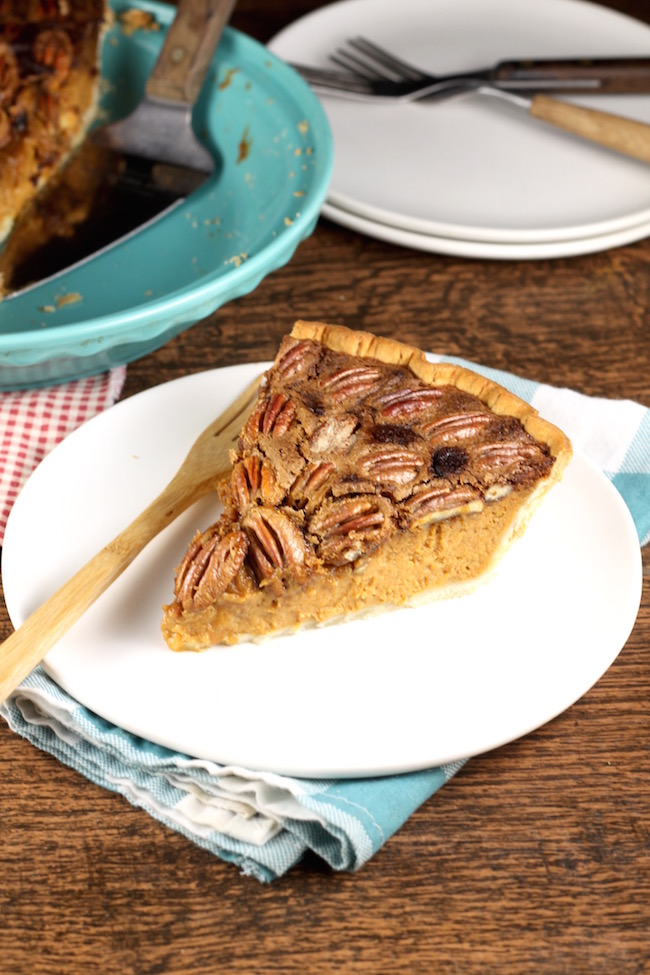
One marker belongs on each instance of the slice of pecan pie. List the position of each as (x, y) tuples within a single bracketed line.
[(365, 477), (49, 84)]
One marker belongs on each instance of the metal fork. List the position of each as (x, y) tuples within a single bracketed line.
[(358, 87), (372, 73), (370, 70)]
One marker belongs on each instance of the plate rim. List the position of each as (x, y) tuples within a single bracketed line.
[(490, 250)]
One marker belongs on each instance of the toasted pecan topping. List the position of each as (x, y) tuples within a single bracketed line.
[(9, 74), (253, 480), (5, 128), (341, 452), (402, 403), (276, 543), (272, 415), (353, 381), (209, 566), (347, 528), (439, 501), (297, 358), (458, 426), (53, 50), (512, 461), (309, 485), (390, 464)]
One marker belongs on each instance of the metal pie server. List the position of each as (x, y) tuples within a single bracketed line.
[(131, 172)]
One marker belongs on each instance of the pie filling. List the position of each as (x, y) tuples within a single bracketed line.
[(49, 85), (364, 478)]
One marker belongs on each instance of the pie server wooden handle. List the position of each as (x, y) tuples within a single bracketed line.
[(191, 39)]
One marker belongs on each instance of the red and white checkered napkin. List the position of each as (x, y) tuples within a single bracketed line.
[(34, 421)]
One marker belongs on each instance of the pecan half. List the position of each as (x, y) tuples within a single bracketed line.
[(438, 501), (273, 415), (311, 484), (297, 358), (390, 465), (53, 49), (459, 426), (354, 381), (275, 542), (513, 460), (9, 74), (209, 566), (505, 452), (408, 402), (5, 128), (253, 480), (349, 527)]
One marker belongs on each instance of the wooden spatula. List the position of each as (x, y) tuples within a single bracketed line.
[(207, 461)]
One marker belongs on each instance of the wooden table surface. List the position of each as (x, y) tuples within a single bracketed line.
[(536, 857)]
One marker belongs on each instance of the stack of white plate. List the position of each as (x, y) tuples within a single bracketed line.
[(475, 176)]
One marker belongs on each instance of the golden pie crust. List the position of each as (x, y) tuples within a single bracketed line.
[(365, 478), (49, 87)]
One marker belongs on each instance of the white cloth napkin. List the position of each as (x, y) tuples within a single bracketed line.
[(33, 421)]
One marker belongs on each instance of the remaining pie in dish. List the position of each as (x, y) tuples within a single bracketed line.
[(49, 86), (365, 477)]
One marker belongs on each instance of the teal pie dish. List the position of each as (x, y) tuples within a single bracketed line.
[(274, 153)]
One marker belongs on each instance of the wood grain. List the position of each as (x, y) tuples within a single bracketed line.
[(535, 859), (189, 46)]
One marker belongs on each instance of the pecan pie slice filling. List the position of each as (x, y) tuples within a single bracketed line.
[(49, 90), (365, 477)]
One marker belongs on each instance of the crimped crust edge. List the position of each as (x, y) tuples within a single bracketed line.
[(500, 400)]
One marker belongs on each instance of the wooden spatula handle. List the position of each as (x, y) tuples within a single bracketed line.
[(206, 463), (624, 135), (192, 38), (28, 645)]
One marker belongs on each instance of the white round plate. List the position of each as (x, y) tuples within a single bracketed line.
[(474, 167), (490, 250), (410, 689)]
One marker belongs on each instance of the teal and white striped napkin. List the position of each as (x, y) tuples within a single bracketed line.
[(263, 822)]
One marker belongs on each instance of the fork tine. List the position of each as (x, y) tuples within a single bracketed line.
[(333, 79), (401, 70), (369, 71), (352, 63)]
